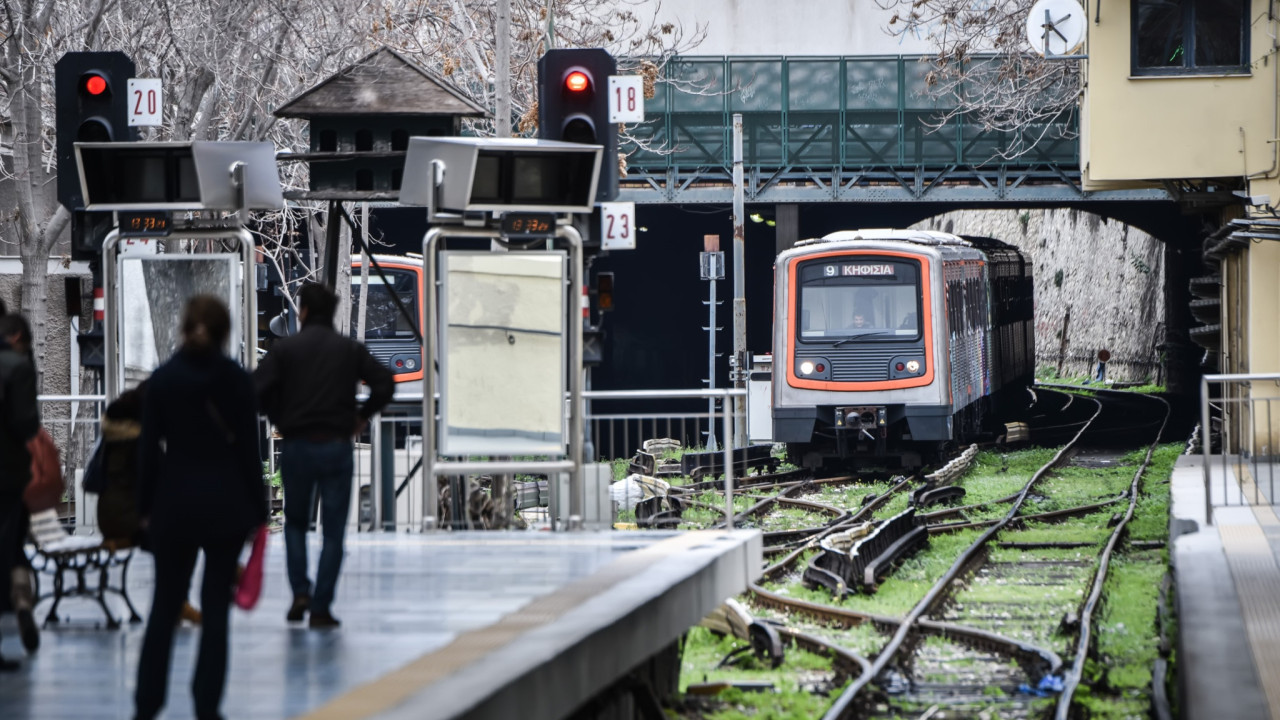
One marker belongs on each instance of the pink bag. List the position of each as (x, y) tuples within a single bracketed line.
[(250, 586)]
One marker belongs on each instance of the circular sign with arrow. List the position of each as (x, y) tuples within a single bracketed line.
[(1056, 27)]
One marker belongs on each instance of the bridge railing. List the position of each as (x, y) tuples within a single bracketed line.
[(823, 112)]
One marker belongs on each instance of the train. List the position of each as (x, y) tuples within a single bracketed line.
[(892, 347), (389, 333)]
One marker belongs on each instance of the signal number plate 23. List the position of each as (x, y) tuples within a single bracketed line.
[(618, 226)]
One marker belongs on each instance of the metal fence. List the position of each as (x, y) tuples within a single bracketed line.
[(74, 423), (1239, 425), (387, 483)]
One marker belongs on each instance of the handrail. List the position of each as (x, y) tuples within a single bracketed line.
[(831, 111), (1222, 404), (664, 394)]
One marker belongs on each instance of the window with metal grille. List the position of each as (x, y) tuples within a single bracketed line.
[(1190, 37)]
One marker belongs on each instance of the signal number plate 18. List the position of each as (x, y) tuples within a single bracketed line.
[(626, 99)]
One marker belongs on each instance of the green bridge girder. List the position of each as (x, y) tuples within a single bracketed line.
[(837, 129)]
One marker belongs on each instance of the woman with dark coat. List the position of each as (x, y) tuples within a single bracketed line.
[(201, 488), (118, 516)]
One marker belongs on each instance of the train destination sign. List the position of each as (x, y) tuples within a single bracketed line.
[(860, 270)]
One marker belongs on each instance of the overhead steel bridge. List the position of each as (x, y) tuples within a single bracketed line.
[(839, 129)]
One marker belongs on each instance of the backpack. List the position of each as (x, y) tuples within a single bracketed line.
[(45, 489), (95, 474)]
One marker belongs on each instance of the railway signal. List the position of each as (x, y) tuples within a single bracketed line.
[(573, 106), (91, 105)]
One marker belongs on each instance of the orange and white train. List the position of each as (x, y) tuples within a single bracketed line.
[(889, 346)]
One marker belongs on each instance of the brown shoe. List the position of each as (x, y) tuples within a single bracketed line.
[(190, 614), (299, 608), (323, 619)]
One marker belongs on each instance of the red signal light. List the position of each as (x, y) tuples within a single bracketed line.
[(95, 84), (577, 81)]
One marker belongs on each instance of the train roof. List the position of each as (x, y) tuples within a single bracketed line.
[(922, 237)]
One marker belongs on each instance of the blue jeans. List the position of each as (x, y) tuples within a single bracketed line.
[(309, 468)]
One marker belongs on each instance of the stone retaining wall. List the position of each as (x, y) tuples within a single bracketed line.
[(1107, 275)]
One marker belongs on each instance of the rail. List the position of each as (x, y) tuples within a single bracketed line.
[(1237, 420)]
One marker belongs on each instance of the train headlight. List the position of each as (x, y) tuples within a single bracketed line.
[(817, 368), (402, 363), (903, 367)]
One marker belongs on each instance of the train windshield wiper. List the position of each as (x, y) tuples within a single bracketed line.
[(851, 338)]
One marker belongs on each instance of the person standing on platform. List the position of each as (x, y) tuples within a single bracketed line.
[(19, 423), (118, 516), (307, 386), (200, 488)]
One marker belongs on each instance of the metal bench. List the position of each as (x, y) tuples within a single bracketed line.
[(79, 567)]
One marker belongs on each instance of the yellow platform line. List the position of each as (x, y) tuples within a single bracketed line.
[(1248, 488), (1257, 579), (394, 688)]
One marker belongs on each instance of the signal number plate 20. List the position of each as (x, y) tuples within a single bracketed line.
[(146, 101)]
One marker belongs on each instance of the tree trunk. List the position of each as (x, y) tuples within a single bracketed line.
[(35, 304), (342, 287)]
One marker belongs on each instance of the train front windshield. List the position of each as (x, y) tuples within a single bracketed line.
[(859, 298), (383, 319)]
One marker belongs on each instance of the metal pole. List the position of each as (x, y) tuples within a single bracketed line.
[(1205, 446), (739, 292), (377, 473), (577, 376), (431, 494), (111, 302), (502, 71), (711, 361), (730, 406)]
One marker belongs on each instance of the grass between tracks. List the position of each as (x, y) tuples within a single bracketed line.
[(1117, 684), (1118, 678), (800, 685)]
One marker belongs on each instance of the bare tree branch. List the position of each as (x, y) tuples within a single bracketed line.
[(986, 72)]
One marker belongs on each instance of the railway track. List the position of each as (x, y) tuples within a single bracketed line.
[(953, 625)]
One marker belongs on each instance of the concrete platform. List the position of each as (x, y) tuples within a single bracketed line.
[(492, 625), (1228, 596)]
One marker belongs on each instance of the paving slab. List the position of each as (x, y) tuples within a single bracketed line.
[(1224, 573), (414, 608)]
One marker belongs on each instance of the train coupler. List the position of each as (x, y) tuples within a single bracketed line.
[(865, 418)]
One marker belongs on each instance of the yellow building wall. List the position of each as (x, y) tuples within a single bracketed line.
[(1262, 321), (1156, 128)]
